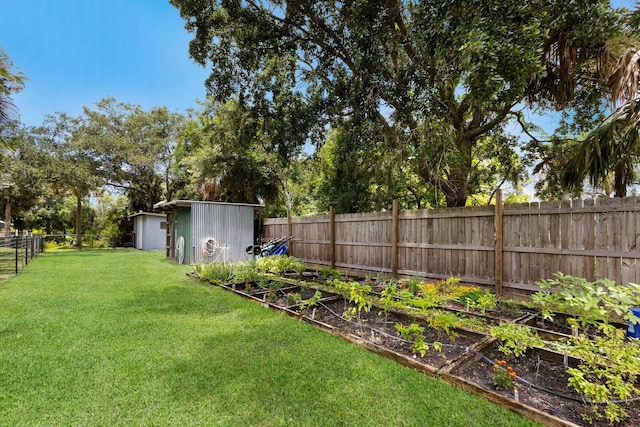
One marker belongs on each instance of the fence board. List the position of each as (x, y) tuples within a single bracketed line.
[(591, 239)]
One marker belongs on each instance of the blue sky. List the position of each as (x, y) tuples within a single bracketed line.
[(76, 52)]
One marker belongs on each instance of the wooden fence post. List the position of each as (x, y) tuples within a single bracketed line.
[(332, 237), (498, 244), (289, 233), (394, 239)]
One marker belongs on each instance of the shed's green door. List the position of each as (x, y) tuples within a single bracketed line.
[(183, 228)]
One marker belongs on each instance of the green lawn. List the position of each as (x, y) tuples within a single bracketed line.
[(125, 338)]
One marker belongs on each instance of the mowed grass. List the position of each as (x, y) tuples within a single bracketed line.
[(123, 337)]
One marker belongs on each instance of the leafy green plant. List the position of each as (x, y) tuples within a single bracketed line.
[(504, 377), (413, 285), (271, 295), (414, 333), (330, 273), (477, 298), (424, 302), (358, 295), (444, 286), (311, 302), (278, 264), (293, 298), (246, 271), (388, 298), (609, 369), (587, 303), (443, 321), (515, 339)]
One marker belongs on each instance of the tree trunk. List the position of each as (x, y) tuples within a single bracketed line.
[(620, 177), (79, 222), (8, 206)]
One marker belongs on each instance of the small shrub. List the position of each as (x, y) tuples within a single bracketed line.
[(246, 272), (293, 298), (330, 273), (278, 264), (50, 245), (515, 339), (482, 300), (609, 368), (444, 321), (414, 333), (587, 303), (311, 302)]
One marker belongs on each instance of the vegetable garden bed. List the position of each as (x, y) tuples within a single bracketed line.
[(483, 350)]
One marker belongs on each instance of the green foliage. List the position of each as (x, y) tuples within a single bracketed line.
[(246, 271), (278, 264), (427, 88), (357, 294), (413, 332), (311, 302), (330, 273), (218, 273), (515, 339), (228, 272), (413, 285), (293, 298), (225, 155), (133, 148), (11, 81), (504, 377), (23, 172), (482, 300), (421, 302), (446, 321), (271, 295), (587, 303), (608, 371), (388, 297)]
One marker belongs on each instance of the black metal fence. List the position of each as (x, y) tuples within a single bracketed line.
[(16, 251)]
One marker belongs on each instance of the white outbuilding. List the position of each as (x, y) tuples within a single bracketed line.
[(149, 231)]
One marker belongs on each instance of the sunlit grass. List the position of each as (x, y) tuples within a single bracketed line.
[(122, 337)]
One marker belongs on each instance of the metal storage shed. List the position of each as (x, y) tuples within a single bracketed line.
[(149, 231), (205, 232)]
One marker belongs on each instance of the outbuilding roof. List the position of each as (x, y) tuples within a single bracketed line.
[(169, 205)]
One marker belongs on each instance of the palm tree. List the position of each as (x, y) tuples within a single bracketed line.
[(10, 82), (613, 148)]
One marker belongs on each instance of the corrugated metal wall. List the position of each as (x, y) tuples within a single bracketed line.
[(230, 226)]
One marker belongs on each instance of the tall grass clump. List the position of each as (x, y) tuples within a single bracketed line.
[(228, 272)]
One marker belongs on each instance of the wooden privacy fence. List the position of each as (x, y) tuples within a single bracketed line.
[(507, 246)]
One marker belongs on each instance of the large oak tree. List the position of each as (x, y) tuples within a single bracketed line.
[(439, 79)]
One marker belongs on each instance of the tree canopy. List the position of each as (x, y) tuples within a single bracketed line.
[(11, 81), (437, 80)]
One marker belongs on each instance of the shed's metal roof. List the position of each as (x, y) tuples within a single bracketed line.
[(168, 205), (147, 214)]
